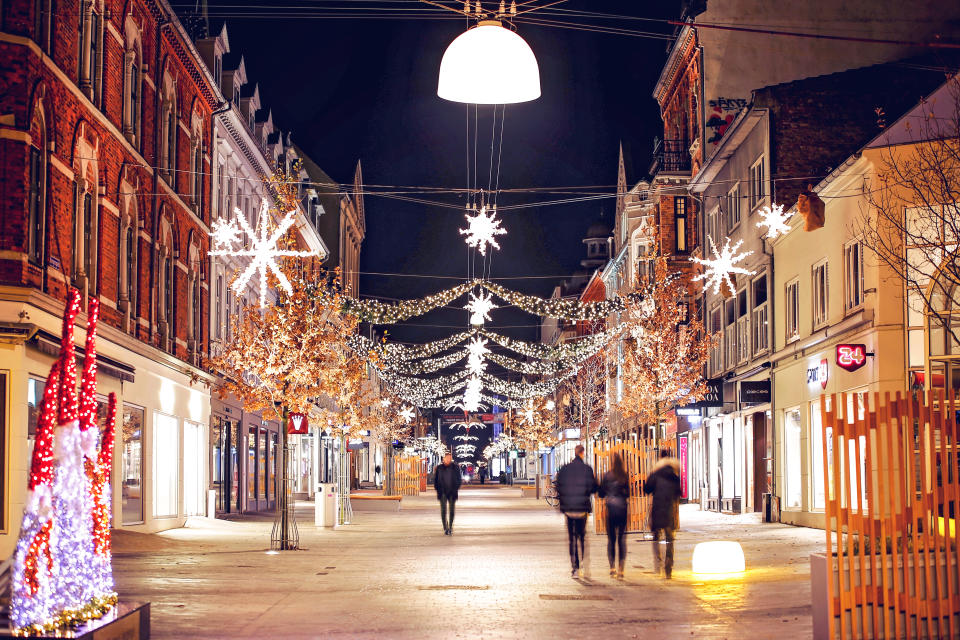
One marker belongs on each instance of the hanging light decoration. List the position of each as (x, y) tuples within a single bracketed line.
[(489, 64)]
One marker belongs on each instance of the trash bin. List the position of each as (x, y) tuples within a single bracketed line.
[(325, 504)]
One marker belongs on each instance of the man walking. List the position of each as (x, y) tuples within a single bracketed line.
[(664, 484), (446, 480), (576, 482)]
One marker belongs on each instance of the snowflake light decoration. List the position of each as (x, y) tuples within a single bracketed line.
[(719, 268), (482, 230), (263, 250), (406, 414), (465, 437), (471, 395), (775, 220), (224, 234), (477, 350), (480, 307)]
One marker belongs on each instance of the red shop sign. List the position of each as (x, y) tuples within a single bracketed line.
[(297, 423), (851, 356)]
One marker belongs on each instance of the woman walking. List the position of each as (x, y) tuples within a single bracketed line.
[(615, 489)]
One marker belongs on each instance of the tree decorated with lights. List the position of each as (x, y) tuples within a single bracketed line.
[(664, 352), (62, 572)]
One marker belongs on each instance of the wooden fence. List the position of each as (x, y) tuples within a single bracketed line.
[(639, 457), (406, 478), (892, 491)]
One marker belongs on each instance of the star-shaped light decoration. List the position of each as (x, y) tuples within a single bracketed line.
[(263, 250), (476, 361), (224, 234), (471, 395), (480, 307), (482, 230), (406, 414), (775, 220), (718, 270), (550, 406)]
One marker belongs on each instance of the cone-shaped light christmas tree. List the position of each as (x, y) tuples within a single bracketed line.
[(60, 577)]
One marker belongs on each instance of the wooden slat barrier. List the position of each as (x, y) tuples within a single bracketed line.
[(639, 457), (891, 504), (406, 476)]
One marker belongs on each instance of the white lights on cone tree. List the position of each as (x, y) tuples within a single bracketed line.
[(263, 248), (480, 307), (774, 219), (718, 269), (482, 230)]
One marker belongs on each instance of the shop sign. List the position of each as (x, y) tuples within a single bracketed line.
[(297, 423), (851, 357), (712, 398), (755, 392), (682, 454), (818, 374)]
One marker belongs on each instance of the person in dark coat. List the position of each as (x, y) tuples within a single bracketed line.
[(483, 475), (615, 489), (446, 480), (664, 484), (575, 484)]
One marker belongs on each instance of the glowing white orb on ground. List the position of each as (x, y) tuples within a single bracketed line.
[(489, 64), (718, 557)]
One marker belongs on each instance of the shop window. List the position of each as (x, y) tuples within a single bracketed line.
[(793, 458), (816, 455), (759, 315), (792, 316), (3, 449), (733, 207), (252, 467), (131, 465), (820, 294), (166, 463), (756, 183), (853, 275), (193, 469), (262, 466)]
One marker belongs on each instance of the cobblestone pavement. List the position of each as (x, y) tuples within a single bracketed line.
[(503, 574)]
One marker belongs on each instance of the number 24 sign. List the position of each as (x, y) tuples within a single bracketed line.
[(851, 356)]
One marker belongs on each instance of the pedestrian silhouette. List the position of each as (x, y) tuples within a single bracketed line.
[(575, 484), (615, 489), (446, 480), (664, 484)]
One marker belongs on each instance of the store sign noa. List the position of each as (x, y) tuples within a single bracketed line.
[(819, 373), (297, 423), (851, 357)]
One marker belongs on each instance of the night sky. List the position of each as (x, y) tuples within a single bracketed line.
[(366, 89)]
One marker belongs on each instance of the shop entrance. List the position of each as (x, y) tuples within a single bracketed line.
[(762, 464)]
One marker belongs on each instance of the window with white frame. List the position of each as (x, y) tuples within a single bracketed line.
[(730, 332), (756, 182), (743, 327), (820, 292), (792, 315), (715, 225), (733, 206), (716, 350), (759, 315), (853, 274)]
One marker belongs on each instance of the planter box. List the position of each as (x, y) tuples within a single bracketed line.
[(914, 588)]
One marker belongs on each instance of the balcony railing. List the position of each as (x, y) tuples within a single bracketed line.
[(671, 156)]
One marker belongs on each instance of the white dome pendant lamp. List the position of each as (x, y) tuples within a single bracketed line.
[(489, 64)]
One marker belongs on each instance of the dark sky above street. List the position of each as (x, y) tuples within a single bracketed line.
[(354, 89)]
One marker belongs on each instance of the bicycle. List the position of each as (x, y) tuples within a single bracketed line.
[(552, 496)]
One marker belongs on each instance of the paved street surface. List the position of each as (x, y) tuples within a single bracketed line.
[(503, 574)]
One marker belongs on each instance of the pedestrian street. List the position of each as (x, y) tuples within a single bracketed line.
[(504, 573)]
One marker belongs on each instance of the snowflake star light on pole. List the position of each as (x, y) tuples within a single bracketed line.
[(224, 234), (775, 220), (406, 414), (482, 230), (480, 307), (263, 249), (719, 268)]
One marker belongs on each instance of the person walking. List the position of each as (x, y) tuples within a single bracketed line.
[(446, 480), (615, 489), (576, 482), (664, 484), (483, 475)]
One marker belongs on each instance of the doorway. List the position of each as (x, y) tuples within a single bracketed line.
[(762, 466)]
